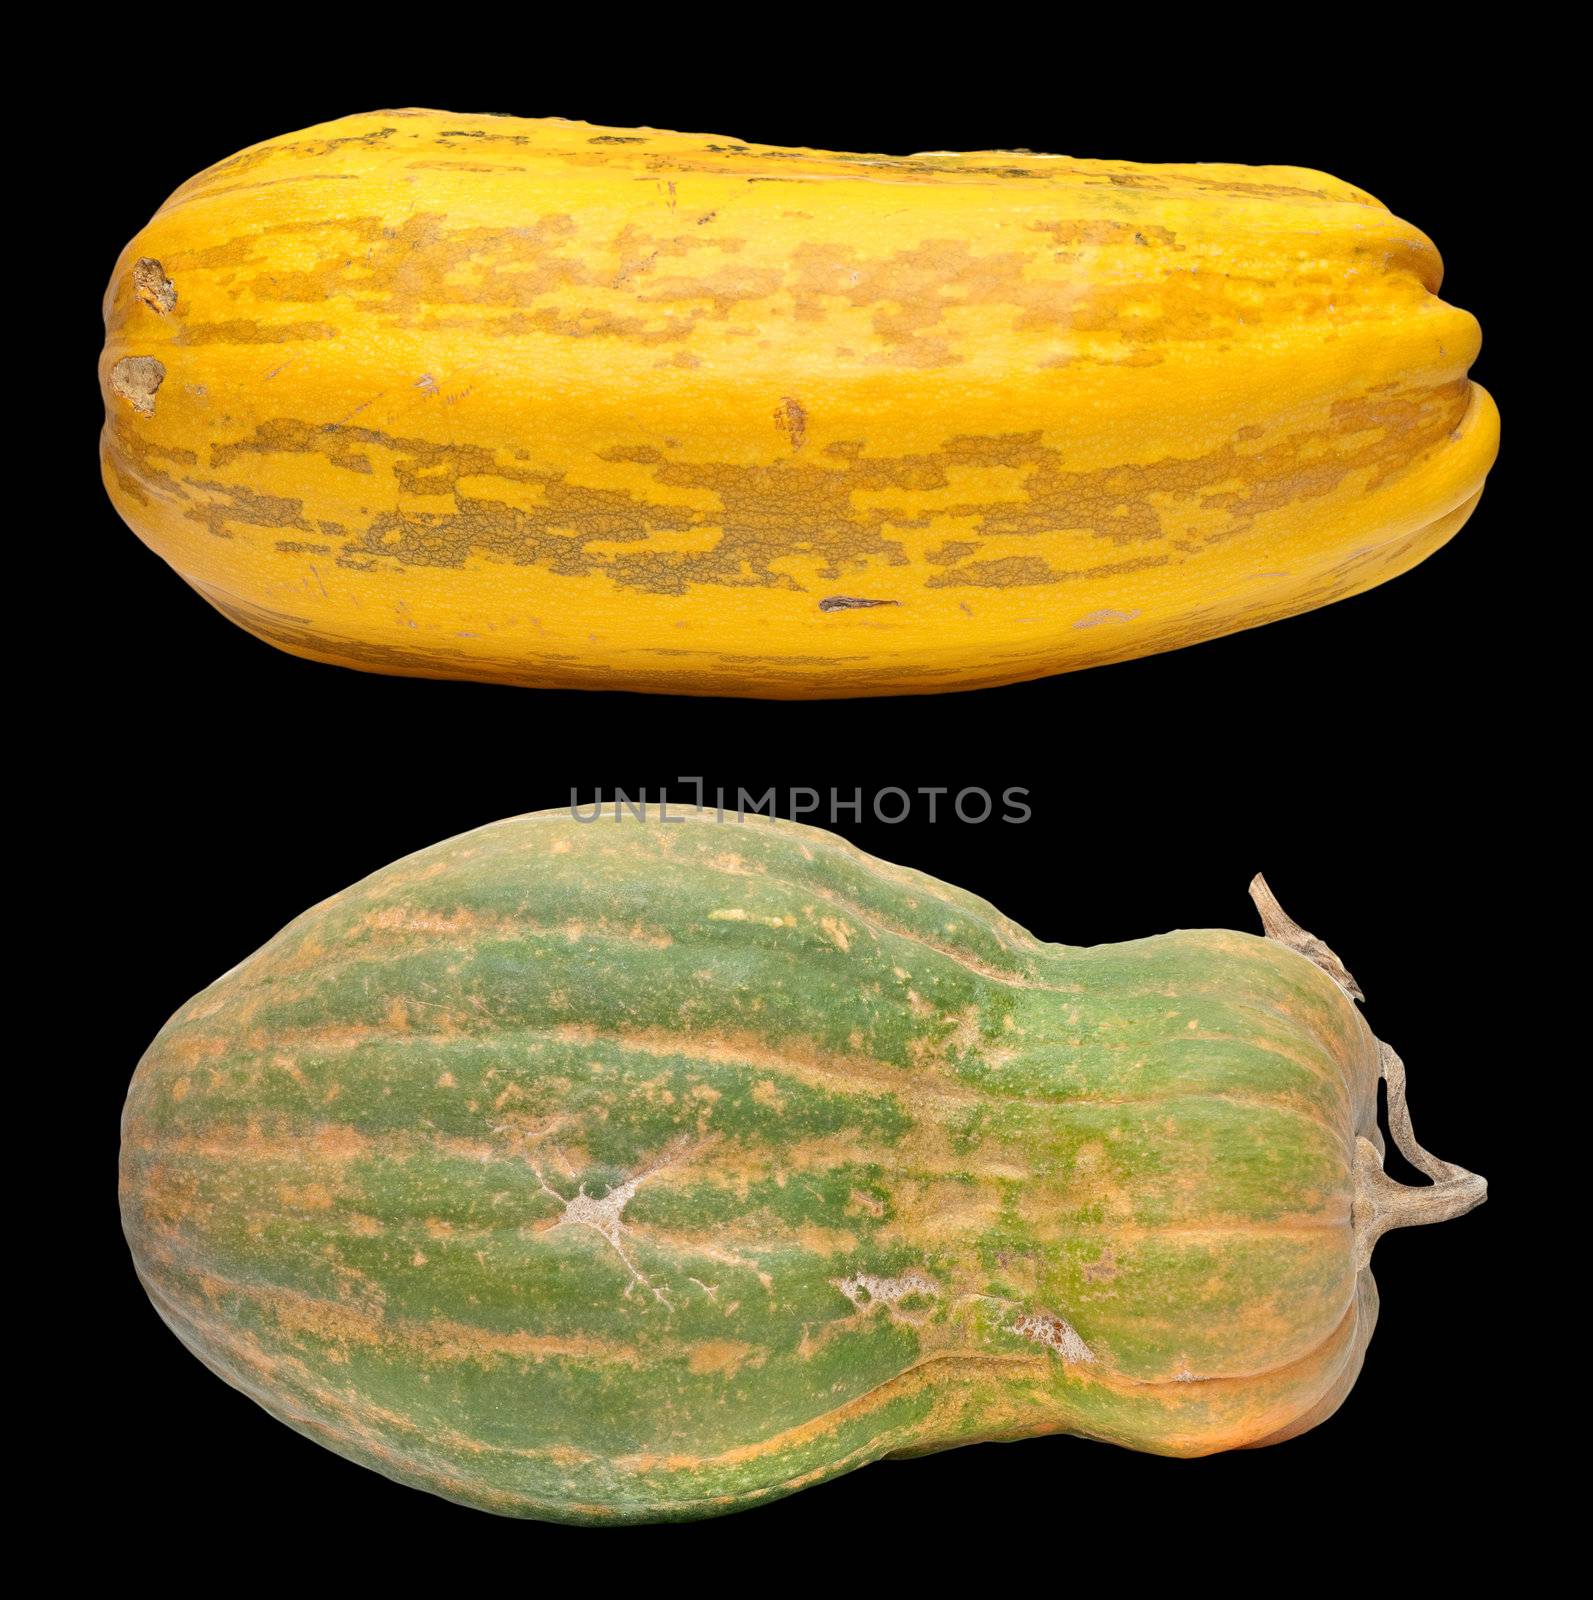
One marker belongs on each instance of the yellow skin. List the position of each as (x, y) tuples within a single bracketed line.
[(544, 403)]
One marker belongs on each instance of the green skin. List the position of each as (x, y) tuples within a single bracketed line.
[(622, 1172)]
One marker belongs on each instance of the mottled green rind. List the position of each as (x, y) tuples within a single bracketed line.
[(346, 1166)]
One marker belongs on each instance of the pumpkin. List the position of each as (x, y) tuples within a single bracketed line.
[(628, 1173), (538, 402)]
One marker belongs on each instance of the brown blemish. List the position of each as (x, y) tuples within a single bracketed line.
[(234, 503), (152, 286), (903, 1297), (790, 418), (1102, 1271), (812, 504), (135, 379), (1055, 1333), (244, 330), (1099, 231)]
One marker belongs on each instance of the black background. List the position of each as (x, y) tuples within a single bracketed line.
[(1375, 759)]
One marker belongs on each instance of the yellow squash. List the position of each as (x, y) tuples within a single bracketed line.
[(540, 402)]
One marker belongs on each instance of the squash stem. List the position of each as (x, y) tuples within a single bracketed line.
[(1281, 928), (1381, 1203)]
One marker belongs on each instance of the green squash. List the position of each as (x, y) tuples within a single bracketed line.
[(628, 1172)]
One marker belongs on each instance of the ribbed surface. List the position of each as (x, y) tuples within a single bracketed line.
[(549, 403), (632, 1170)]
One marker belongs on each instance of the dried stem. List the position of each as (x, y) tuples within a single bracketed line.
[(1282, 929), (1380, 1202)]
